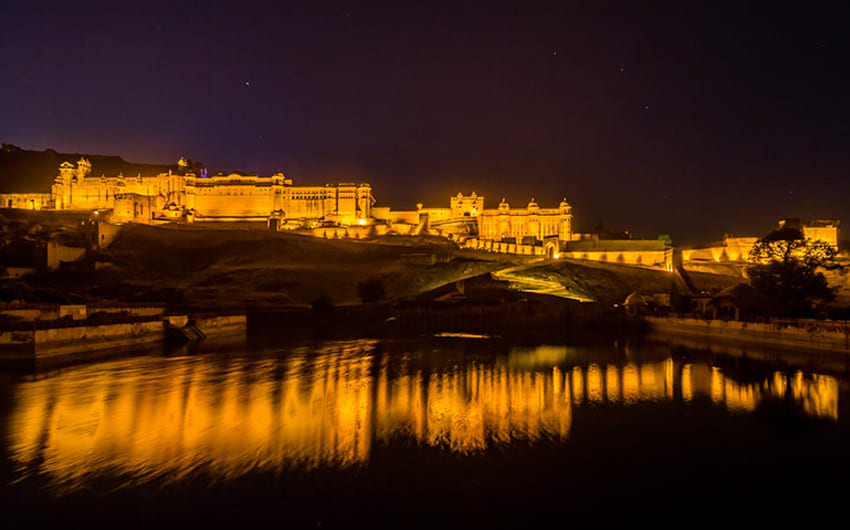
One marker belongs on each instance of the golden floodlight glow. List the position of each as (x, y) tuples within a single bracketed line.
[(165, 419)]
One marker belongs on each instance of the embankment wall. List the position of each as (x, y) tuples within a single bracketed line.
[(44, 343), (812, 334), (220, 325)]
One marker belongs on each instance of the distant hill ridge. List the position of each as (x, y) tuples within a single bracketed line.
[(26, 171)]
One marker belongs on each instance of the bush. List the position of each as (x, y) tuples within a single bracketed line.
[(323, 305), (371, 290)]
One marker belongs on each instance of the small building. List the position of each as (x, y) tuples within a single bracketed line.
[(740, 302), (646, 303)]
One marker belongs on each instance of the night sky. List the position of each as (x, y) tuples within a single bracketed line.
[(692, 120)]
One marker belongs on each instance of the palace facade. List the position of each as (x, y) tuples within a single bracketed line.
[(186, 196), (522, 224)]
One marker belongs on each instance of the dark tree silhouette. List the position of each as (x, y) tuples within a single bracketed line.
[(371, 290), (323, 305), (786, 272)]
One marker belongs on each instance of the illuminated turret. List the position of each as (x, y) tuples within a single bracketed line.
[(466, 205), (61, 189), (66, 172), (83, 168), (566, 228), (365, 200)]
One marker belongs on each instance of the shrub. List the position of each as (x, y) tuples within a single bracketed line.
[(323, 305), (371, 290)]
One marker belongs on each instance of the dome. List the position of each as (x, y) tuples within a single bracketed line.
[(532, 205)]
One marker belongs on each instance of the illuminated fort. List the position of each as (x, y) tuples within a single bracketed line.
[(186, 196), (348, 210), (341, 210)]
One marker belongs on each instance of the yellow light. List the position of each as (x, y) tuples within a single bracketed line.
[(556, 255), (361, 222)]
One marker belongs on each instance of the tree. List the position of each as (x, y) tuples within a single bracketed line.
[(786, 271)]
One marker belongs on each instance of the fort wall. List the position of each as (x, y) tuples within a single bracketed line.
[(628, 252), (56, 254), (170, 197), (26, 201)]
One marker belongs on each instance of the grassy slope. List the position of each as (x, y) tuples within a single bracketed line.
[(229, 268), (242, 268), (611, 282)]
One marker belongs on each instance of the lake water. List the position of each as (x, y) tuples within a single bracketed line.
[(450, 430)]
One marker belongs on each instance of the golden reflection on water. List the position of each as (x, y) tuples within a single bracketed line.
[(817, 393), (159, 418)]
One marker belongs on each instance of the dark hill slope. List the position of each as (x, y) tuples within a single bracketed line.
[(25, 171), (243, 269)]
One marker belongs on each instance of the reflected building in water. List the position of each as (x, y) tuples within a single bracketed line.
[(163, 419)]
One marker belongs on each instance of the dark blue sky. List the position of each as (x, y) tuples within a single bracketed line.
[(693, 119)]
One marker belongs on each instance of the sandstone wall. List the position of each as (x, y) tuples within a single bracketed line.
[(26, 201)]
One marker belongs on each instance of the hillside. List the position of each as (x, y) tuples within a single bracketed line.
[(234, 267), (205, 268), (213, 268), (609, 282), (24, 171)]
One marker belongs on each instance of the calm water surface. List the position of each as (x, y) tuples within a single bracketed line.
[(446, 430)]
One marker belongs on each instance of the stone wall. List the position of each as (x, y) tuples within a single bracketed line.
[(220, 325), (232, 201), (17, 272), (26, 201), (643, 258), (638, 257), (342, 232), (45, 343), (828, 234), (56, 254), (733, 249), (501, 247), (814, 334)]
